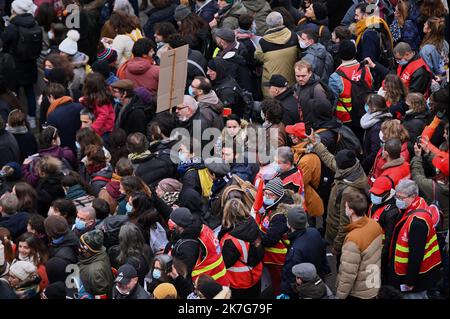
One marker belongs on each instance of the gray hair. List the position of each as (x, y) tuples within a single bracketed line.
[(90, 210), (190, 102), (284, 154), (123, 6), (9, 203), (407, 187), (131, 242), (402, 48), (274, 19)]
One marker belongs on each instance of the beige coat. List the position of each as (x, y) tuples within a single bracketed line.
[(359, 273)]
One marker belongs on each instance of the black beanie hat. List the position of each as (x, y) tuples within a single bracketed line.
[(209, 288), (345, 159), (182, 217), (56, 290), (347, 50), (320, 10), (212, 65)]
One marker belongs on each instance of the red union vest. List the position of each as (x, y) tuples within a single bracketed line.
[(375, 215), (212, 263), (277, 254), (431, 257), (295, 182), (241, 275), (409, 70), (344, 103)]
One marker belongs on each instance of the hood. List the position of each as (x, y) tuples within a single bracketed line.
[(247, 231), (192, 200), (70, 240), (24, 20), (353, 176), (224, 69), (394, 163), (79, 60), (53, 180), (192, 231), (254, 5), (417, 115), (317, 50), (357, 224), (370, 119), (138, 66), (210, 98), (313, 80), (278, 35), (54, 151)]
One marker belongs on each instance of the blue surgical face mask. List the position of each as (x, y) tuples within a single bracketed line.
[(402, 62), (277, 167), (79, 224), (366, 108), (128, 208), (191, 91), (400, 203), (117, 100), (268, 201), (376, 200), (156, 274), (58, 240)]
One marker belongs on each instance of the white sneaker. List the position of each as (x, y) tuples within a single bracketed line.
[(31, 121)]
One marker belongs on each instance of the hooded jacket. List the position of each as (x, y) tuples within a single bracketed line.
[(314, 289), (377, 168), (278, 50), (96, 274), (259, 9), (142, 72), (207, 10), (132, 117), (67, 250), (290, 108), (346, 181), (156, 15), (414, 124), (319, 58), (48, 189), (229, 16), (211, 108), (9, 148), (104, 176)]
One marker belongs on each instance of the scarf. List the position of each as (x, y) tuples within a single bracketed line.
[(91, 169), (58, 102), (139, 156), (370, 119), (371, 22), (220, 183), (75, 192), (170, 198), (194, 163), (17, 129), (113, 187)]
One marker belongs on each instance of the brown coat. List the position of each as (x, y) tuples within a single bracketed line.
[(359, 273), (275, 140), (311, 168)]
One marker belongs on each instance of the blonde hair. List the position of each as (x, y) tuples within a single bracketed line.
[(394, 129), (234, 212), (416, 102)]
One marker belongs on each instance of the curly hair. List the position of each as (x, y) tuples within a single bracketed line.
[(273, 110), (395, 89), (394, 129)]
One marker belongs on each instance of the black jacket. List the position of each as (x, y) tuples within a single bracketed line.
[(132, 117), (48, 189), (138, 292), (26, 71), (16, 223), (156, 15), (9, 149), (420, 80), (414, 124), (307, 246), (67, 250), (157, 165), (290, 107), (277, 226), (27, 144), (66, 118), (192, 70)]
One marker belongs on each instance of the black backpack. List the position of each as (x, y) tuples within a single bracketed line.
[(111, 228), (360, 91), (29, 43), (347, 139)]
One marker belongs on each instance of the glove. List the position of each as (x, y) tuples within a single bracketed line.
[(283, 296)]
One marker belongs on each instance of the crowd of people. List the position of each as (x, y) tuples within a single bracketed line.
[(333, 140)]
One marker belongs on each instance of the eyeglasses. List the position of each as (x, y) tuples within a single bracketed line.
[(402, 197)]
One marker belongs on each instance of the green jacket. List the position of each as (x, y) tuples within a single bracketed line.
[(426, 188), (346, 182), (230, 19), (96, 274), (259, 9)]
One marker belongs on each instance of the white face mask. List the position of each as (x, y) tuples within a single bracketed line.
[(122, 292), (303, 44)]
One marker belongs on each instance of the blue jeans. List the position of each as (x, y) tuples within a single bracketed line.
[(31, 98)]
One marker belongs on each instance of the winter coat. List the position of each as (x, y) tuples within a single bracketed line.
[(277, 50), (320, 60), (26, 141), (414, 124), (420, 80), (142, 72), (67, 250), (408, 33), (104, 176), (157, 165), (207, 10), (111, 193), (79, 197), (132, 117), (441, 191), (290, 108), (122, 44), (48, 189), (258, 9), (229, 18), (138, 292), (96, 274), (8, 148), (64, 154), (104, 119), (15, 223), (371, 123), (26, 71), (306, 246), (314, 289), (66, 118), (156, 15), (313, 89), (377, 167), (360, 253), (346, 182), (310, 165), (211, 108), (276, 140)]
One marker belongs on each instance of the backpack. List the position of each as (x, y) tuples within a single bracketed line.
[(252, 108), (348, 140), (111, 228), (360, 91), (436, 212), (247, 189), (29, 43), (328, 66)]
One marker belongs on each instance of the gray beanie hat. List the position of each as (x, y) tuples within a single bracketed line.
[(181, 12), (297, 218)]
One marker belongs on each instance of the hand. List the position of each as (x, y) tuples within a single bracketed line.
[(27, 161), (213, 23), (417, 150), (424, 140), (370, 63), (174, 273), (312, 137)]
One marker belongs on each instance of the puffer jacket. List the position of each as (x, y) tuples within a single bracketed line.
[(229, 18), (142, 72), (320, 60), (259, 9), (346, 181), (277, 50), (156, 15), (361, 255), (96, 274)]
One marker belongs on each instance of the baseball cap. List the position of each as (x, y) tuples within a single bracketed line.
[(277, 80), (298, 130), (125, 274), (382, 185)]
